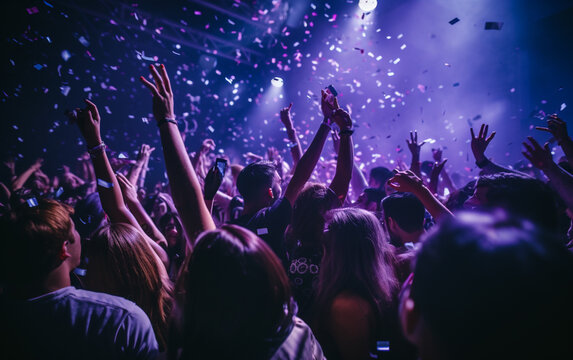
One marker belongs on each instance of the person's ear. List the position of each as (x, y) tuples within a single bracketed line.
[(64, 253)]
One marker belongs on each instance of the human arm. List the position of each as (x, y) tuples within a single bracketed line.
[(129, 192), (308, 161), (437, 168), (415, 148), (558, 128), (407, 181), (294, 143), (183, 180), (479, 144), (344, 163), (142, 159), (542, 159), (21, 179), (358, 181), (198, 160)]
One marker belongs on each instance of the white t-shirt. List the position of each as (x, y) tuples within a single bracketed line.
[(79, 324)]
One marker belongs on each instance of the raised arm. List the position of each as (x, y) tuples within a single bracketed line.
[(407, 181), (358, 181), (88, 121), (308, 161), (21, 179), (142, 159), (415, 148), (542, 159), (129, 192), (479, 145), (294, 143), (558, 128), (212, 182), (345, 161), (183, 181)]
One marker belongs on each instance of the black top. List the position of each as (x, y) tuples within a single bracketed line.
[(270, 224)]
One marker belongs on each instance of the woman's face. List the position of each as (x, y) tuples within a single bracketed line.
[(171, 233)]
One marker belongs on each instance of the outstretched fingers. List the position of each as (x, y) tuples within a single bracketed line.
[(150, 86), (158, 81), (165, 78)]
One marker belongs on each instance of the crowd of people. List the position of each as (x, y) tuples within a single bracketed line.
[(285, 259)]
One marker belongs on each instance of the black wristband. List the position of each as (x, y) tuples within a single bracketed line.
[(163, 121), (346, 132), (483, 163)]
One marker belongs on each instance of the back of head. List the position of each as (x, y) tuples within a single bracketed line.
[(488, 286), (88, 214), (307, 223), (121, 263), (254, 179), (381, 174), (357, 259), (238, 300), (522, 196), (32, 238), (406, 210), (374, 195)]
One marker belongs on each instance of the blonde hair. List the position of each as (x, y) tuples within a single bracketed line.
[(120, 262)]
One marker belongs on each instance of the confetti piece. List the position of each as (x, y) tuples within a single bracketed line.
[(453, 21), (39, 66), (32, 202), (492, 25), (563, 106), (104, 184)]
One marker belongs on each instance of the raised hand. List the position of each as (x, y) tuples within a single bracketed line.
[(437, 168), (557, 128), (37, 165), (162, 93), (145, 152), (479, 144), (342, 119), (206, 146), (437, 154), (213, 181), (406, 181), (540, 157), (128, 191), (413, 145), (88, 121), (286, 118), (326, 105)]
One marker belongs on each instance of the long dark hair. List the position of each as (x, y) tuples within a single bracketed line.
[(357, 259), (308, 213), (238, 301)]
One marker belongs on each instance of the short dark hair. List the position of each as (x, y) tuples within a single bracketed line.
[(254, 178), (375, 195), (492, 286), (32, 238), (406, 210), (381, 174), (522, 196)]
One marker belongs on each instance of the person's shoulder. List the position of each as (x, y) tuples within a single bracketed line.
[(97, 299)]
